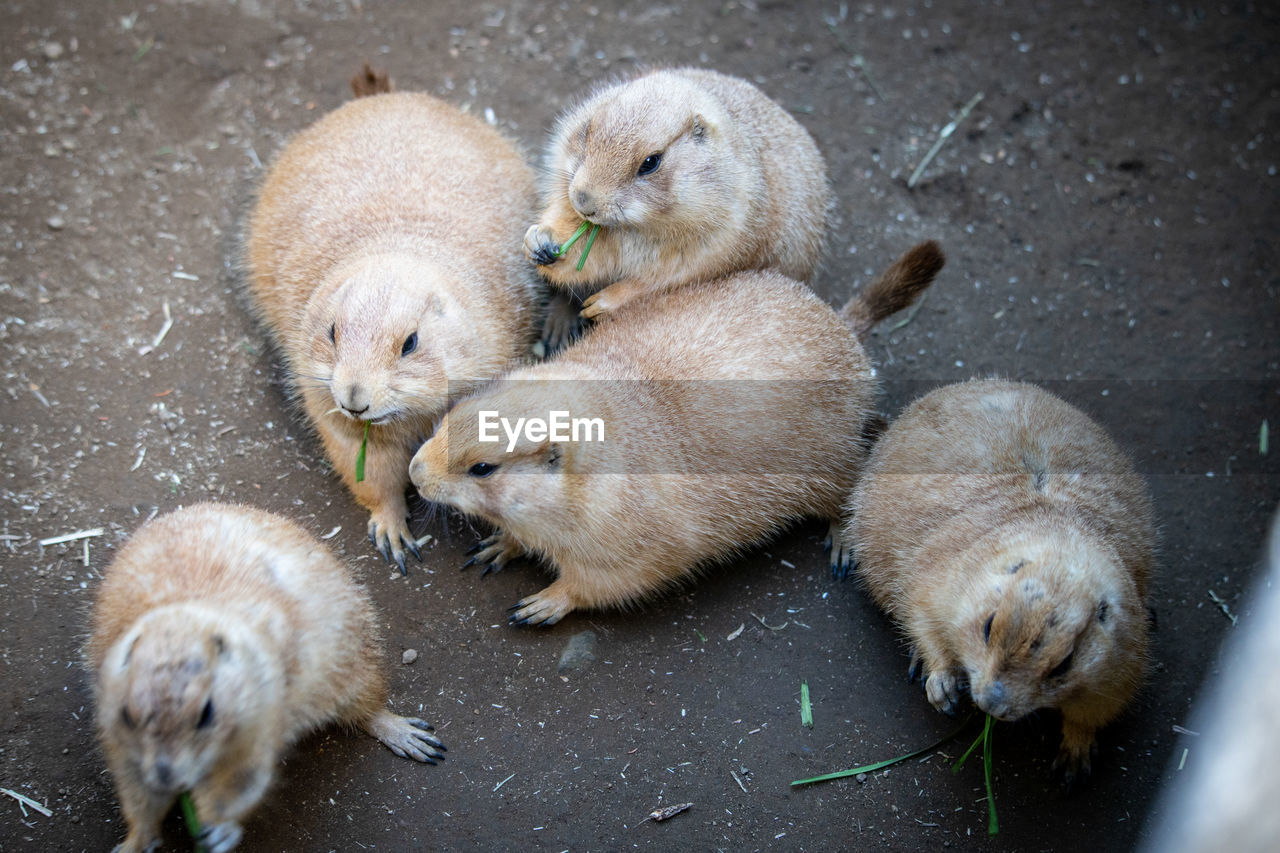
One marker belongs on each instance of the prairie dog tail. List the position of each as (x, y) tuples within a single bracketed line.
[(368, 81), (895, 288)]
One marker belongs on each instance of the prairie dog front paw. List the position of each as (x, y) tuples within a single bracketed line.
[(540, 245)]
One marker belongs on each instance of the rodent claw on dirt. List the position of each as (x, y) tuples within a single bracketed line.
[(913, 670), (221, 837)]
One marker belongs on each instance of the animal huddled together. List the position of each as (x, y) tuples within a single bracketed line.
[(392, 262)]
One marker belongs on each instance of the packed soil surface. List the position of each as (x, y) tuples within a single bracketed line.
[(1109, 211)]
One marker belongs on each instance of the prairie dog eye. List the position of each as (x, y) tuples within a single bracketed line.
[(986, 629), (333, 333), (1062, 668), (206, 716), (410, 344), (650, 163), (482, 469), (127, 719)]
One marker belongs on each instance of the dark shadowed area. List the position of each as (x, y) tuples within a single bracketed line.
[(1109, 211)]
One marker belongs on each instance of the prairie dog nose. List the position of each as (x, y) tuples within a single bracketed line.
[(353, 399), (583, 202)]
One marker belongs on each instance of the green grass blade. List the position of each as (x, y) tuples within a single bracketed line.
[(595, 229), (576, 234), (993, 826), (880, 765), (806, 708), (364, 446), (189, 814), (955, 768)]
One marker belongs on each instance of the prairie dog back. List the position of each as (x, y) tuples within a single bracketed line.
[(715, 437), (1013, 542)]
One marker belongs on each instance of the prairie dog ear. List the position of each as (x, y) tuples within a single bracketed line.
[(700, 127), (553, 454), (128, 653)]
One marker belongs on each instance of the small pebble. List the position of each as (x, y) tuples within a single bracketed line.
[(52, 50), (56, 223), (409, 656), (862, 778), (579, 653)]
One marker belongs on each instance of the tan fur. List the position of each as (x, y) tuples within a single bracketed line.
[(730, 409), (996, 500), (242, 614), (740, 186), (395, 215)]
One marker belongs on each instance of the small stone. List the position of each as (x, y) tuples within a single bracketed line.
[(52, 150), (409, 656), (56, 223), (52, 50), (579, 653), (862, 778)]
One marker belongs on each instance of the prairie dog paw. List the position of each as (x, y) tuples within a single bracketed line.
[(562, 325), (540, 245), (614, 296), (1074, 763), (841, 547), (389, 533), (543, 608), (494, 552), (132, 845), (945, 689), (221, 837), (602, 302), (408, 737)]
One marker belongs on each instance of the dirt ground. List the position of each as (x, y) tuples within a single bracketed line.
[(1109, 210)]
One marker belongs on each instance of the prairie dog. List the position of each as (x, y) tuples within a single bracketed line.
[(714, 436), (1012, 541), (692, 175), (384, 258), (220, 635)]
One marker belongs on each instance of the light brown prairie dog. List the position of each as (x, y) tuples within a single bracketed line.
[(727, 411), (1012, 541), (384, 256), (220, 635), (692, 175)]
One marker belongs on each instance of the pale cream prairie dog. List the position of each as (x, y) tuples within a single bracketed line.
[(726, 411), (1012, 541), (384, 257), (692, 175), (220, 635)]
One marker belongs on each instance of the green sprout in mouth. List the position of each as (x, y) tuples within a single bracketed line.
[(189, 814), (591, 238), (984, 738), (364, 446)]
